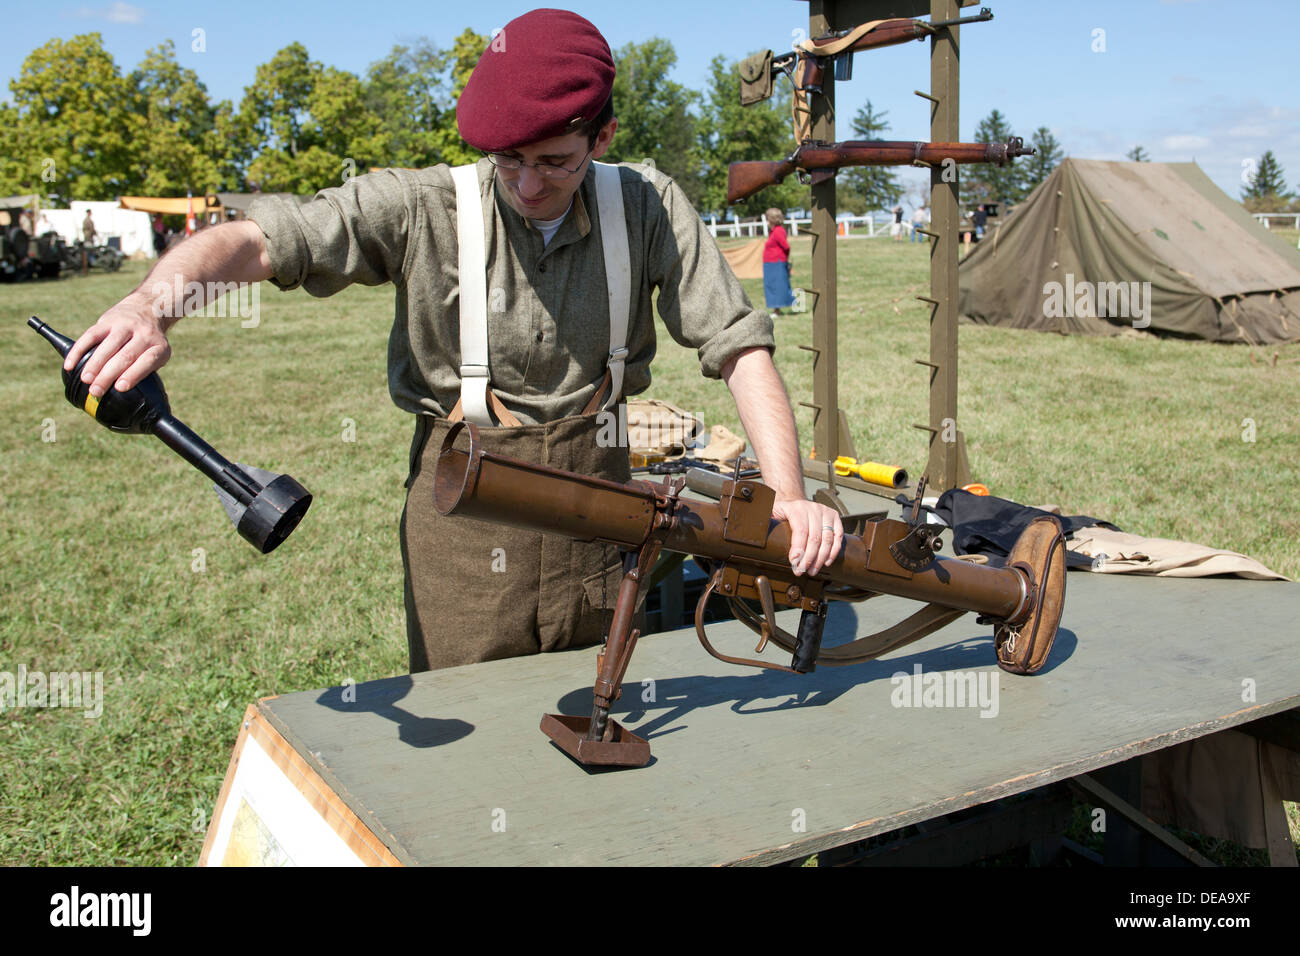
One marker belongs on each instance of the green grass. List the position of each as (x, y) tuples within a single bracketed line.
[(1292, 236), (100, 531)]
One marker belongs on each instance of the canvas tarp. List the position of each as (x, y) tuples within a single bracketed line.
[(171, 205), (1076, 255), (746, 261)]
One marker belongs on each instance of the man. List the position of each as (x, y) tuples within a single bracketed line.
[(919, 218), (88, 229), (980, 220), (510, 311), (896, 227)]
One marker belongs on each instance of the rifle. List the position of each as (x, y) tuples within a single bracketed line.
[(817, 161), (840, 53), (746, 555)]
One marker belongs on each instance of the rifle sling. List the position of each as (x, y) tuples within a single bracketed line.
[(843, 43), (912, 628), (800, 109)]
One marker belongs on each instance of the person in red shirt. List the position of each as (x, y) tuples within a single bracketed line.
[(776, 264)]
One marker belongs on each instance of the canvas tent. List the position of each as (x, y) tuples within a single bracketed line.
[(30, 201), (1077, 256)]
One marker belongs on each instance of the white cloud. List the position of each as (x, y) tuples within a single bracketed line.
[(1184, 143), (114, 13), (125, 13)]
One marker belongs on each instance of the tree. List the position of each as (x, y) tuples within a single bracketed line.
[(180, 147), (275, 113), (1138, 155), (653, 112), (349, 136), (865, 189), (984, 182), (1265, 190), (17, 174), (409, 92), (731, 133), (463, 57), (236, 147), (309, 125), (1047, 156), (74, 130)]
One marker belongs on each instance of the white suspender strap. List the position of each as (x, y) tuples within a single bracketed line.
[(472, 253), (618, 271)]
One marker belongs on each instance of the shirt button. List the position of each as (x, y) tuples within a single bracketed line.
[(541, 267), (540, 336)]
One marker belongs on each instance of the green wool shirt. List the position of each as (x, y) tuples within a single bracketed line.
[(548, 315)]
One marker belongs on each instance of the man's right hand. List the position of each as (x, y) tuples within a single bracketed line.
[(129, 342), (130, 339)]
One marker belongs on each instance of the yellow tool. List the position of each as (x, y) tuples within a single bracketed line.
[(871, 471)]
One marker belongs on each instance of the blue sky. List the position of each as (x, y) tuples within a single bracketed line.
[(1187, 79)]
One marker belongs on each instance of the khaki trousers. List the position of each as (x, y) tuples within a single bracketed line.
[(477, 591)]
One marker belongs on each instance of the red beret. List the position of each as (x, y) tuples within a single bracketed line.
[(542, 75)]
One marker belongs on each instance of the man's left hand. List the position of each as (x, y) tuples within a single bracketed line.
[(816, 533)]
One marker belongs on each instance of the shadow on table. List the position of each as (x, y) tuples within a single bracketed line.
[(380, 697), (672, 698)]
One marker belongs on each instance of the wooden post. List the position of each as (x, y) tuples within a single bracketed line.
[(825, 403), (947, 466)]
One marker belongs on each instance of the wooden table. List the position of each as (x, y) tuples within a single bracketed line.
[(760, 767)]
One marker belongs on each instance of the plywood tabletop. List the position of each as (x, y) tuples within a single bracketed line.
[(750, 766)]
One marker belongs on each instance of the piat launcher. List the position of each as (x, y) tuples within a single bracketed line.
[(745, 553)]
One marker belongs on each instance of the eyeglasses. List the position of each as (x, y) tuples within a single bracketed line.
[(545, 170)]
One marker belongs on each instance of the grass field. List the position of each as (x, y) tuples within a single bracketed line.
[(118, 559)]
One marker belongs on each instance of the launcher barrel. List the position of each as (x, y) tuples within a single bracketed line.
[(478, 484)]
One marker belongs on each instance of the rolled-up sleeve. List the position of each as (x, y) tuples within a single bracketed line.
[(357, 232), (700, 299)]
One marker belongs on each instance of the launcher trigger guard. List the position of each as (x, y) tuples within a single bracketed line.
[(768, 628), (769, 625)]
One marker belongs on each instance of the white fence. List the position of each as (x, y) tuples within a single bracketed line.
[(850, 227), (1283, 217)]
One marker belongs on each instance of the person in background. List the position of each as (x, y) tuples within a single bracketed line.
[(896, 227), (776, 264), (159, 234), (88, 235), (920, 218), (980, 218)]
